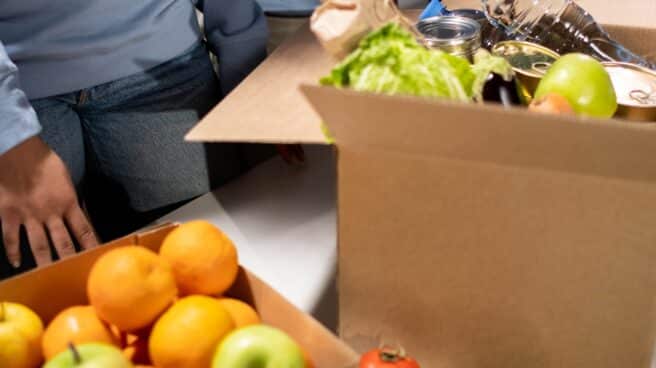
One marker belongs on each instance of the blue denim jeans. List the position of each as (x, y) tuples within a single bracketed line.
[(123, 143)]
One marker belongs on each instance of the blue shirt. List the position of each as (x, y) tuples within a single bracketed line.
[(289, 8), (52, 47)]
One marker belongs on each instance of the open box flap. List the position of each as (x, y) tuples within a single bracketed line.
[(486, 133), (268, 107)]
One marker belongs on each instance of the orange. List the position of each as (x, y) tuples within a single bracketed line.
[(130, 287), (242, 314), (203, 258), (188, 333), (79, 325)]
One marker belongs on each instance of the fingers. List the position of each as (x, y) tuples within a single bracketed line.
[(11, 239), (36, 235), (81, 228), (60, 238), (57, 229)]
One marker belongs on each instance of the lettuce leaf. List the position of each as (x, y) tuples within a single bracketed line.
[(390, 61)]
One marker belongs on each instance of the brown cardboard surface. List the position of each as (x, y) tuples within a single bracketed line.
[(50, 289), (487, 133), (469, 265)]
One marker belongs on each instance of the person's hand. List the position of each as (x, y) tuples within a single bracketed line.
[(36, 191), (291, 153)]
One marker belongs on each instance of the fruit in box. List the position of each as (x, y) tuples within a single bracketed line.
[(242, 314), (551, 103), (91, 355), (130, 287), (79, 325), (584, 82), (203, 258), (387, 357), (20, 336), (258, 346), (187, 334), (136, 319)]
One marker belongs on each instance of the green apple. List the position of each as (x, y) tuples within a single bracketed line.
[(20, 336), (584, 82), (258, 346), (90, 355)]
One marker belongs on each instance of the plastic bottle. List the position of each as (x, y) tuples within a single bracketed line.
[(560, 25)]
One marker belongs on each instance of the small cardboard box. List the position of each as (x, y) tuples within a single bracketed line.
[(49, 290), (471, 234)]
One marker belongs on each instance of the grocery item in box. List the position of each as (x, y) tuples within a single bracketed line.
[(340, 24)]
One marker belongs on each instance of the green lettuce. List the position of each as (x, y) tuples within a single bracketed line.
[(391, 61)]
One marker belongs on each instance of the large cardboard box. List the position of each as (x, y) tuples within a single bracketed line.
[(474, 235), (49, 290)]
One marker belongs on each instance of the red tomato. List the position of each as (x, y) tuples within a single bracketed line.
[(387, 358)]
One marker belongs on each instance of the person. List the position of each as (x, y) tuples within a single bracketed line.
[(95, 99)]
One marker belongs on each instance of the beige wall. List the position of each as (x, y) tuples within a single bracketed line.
[(625, 12)]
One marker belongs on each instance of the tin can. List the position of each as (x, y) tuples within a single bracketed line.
[(635, 87), (455, 35), (530, 62)]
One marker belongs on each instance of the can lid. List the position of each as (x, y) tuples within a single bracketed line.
[(450, 31), (634, 85), (474, 14), (526, 58)]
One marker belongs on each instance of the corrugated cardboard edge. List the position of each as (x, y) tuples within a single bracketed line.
[(487, 133), (50, 289)]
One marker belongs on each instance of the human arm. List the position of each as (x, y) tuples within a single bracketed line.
[(35, 188), (237, 34)]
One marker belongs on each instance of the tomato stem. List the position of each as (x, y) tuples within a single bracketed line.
[(391, 355)]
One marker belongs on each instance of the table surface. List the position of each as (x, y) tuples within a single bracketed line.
[(282, 219)]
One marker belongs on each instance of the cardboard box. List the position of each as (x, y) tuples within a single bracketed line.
[(48, 290), (474, 235)]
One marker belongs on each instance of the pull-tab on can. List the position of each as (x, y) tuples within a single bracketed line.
[(635, 87)]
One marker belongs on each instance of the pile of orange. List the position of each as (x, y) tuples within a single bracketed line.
[(163, 310)]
